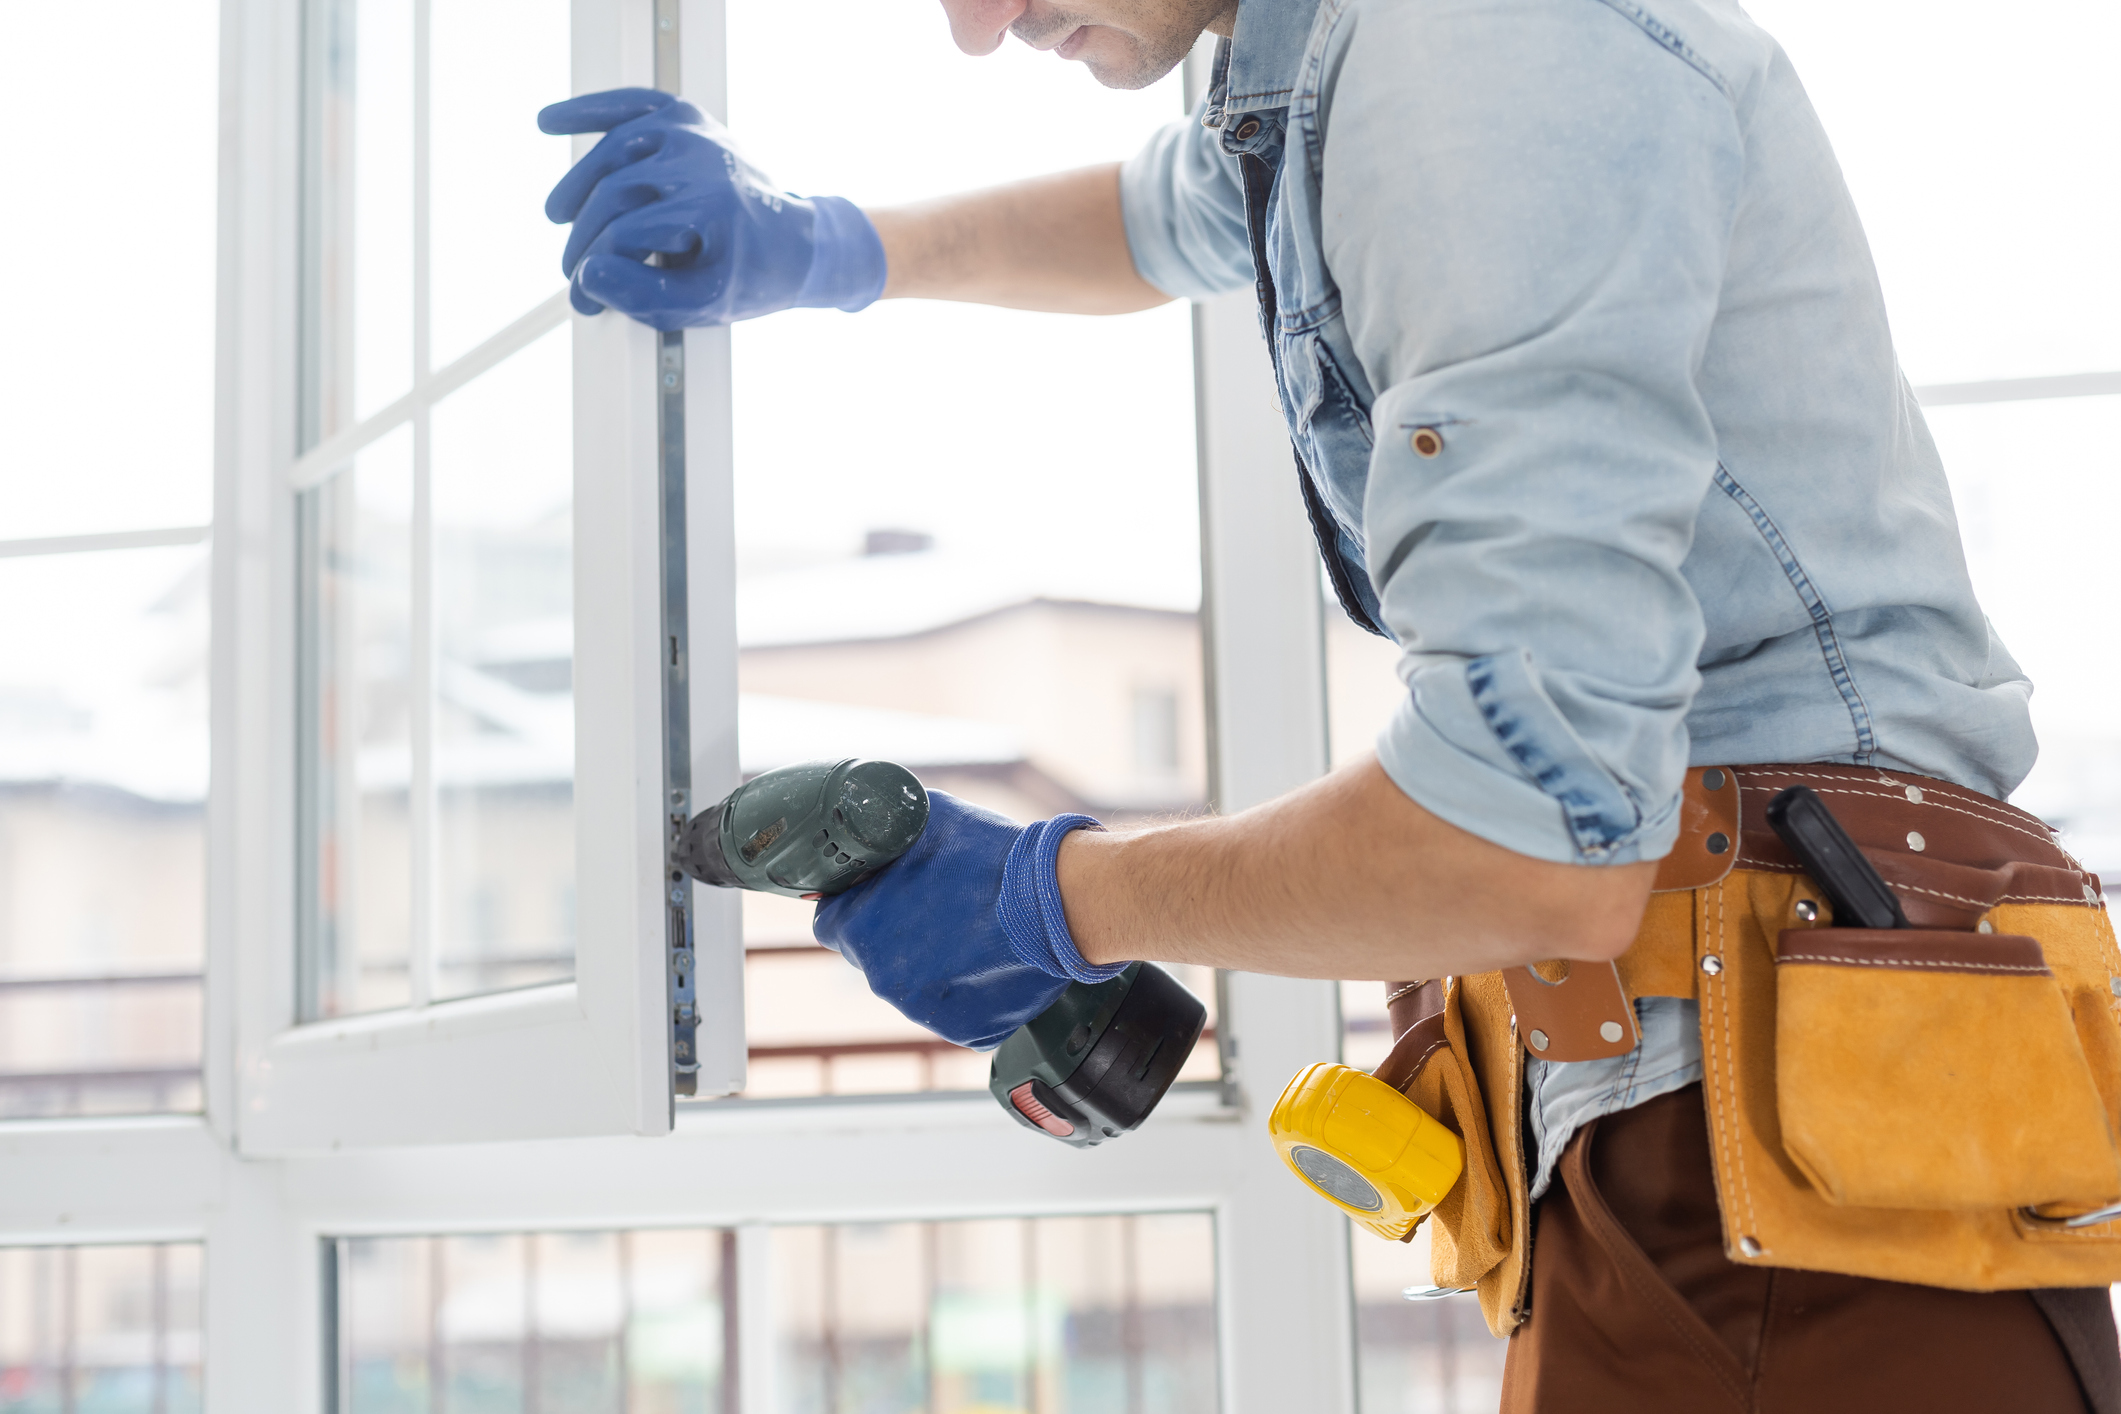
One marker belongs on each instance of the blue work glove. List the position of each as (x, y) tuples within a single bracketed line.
[(666, 180), (964, 933)]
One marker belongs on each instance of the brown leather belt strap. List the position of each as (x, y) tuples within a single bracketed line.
[(1413, 1007), (1951, 854), (1578, 1011)]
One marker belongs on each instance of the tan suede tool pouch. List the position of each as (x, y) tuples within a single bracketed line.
[(1429, 1065), (1935, 1069)]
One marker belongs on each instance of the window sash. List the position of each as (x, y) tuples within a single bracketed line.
[(583, 1057)]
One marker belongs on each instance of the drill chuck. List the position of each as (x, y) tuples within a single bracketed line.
[(816, 829)]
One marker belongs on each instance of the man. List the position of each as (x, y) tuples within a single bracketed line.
[(1596, 414)]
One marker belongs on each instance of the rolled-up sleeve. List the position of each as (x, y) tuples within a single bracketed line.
[(1184, 208), (1530, 240)]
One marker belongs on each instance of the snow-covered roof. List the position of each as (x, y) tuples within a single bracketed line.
[(526, 739), (892, 596), (888, 596), (532, 742), (140, 743), (776, 731)]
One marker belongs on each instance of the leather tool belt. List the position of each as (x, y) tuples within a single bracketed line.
[(1937, 1104)]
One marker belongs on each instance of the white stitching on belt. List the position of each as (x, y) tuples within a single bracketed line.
[(2007, 823), (1391, 997), (2002, 814), (1939, 893), (1420, 1061), (1910, 962), (1731, 1110), (1981, 810), (1746, 861)]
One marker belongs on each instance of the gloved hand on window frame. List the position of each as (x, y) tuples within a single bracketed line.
[(666, 180)]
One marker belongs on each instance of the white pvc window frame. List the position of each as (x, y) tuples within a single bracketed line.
[(263, 1185), (366, 1125)]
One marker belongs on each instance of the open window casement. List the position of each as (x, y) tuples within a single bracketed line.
[(486, 684)]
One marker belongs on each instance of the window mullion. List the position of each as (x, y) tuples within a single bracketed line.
[(1285, 1302), (422, 205), (424, 841), (107, 540), (421, 944)]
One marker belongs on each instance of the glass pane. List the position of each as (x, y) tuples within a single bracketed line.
[(439, 753), (361, 156), (504, 712), (358, 728), (495, 255), (585, 1322), (114, 1330), (1991, 204), (107, 373), (103, 775), (1417, 1357), (1060, 1315), (2038, 491), (952, 566)]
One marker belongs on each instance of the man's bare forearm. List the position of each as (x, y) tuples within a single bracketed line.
[(1345, 878), (1054, 243)]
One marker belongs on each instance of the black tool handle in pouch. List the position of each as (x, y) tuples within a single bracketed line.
[(1861, 899)]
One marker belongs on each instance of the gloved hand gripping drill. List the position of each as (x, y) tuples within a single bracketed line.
[(952, 914)]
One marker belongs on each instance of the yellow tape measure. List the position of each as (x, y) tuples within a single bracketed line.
[(1365, 1148)]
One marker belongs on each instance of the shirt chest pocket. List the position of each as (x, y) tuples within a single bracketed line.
[(1329, 419)]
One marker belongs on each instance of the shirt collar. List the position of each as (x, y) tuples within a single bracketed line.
[(1256, 67)]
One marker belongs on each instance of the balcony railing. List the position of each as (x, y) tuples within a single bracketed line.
[(122, 1080)]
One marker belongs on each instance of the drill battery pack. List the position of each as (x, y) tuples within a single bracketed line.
[(1093, 1065)]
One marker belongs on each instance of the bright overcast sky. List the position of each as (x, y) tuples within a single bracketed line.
[(1980, 146), (1065, 441)]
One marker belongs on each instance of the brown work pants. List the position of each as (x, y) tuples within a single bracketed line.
[(1635, 1309)]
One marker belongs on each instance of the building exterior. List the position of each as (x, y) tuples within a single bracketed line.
[(1002, 689)]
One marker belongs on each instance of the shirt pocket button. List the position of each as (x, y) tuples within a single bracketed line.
[(1248, 129), (1426, 442)]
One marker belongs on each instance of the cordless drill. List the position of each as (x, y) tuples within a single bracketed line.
[(1088, 1068)]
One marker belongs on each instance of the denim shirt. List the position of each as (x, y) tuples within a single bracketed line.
[(1587, 369)]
